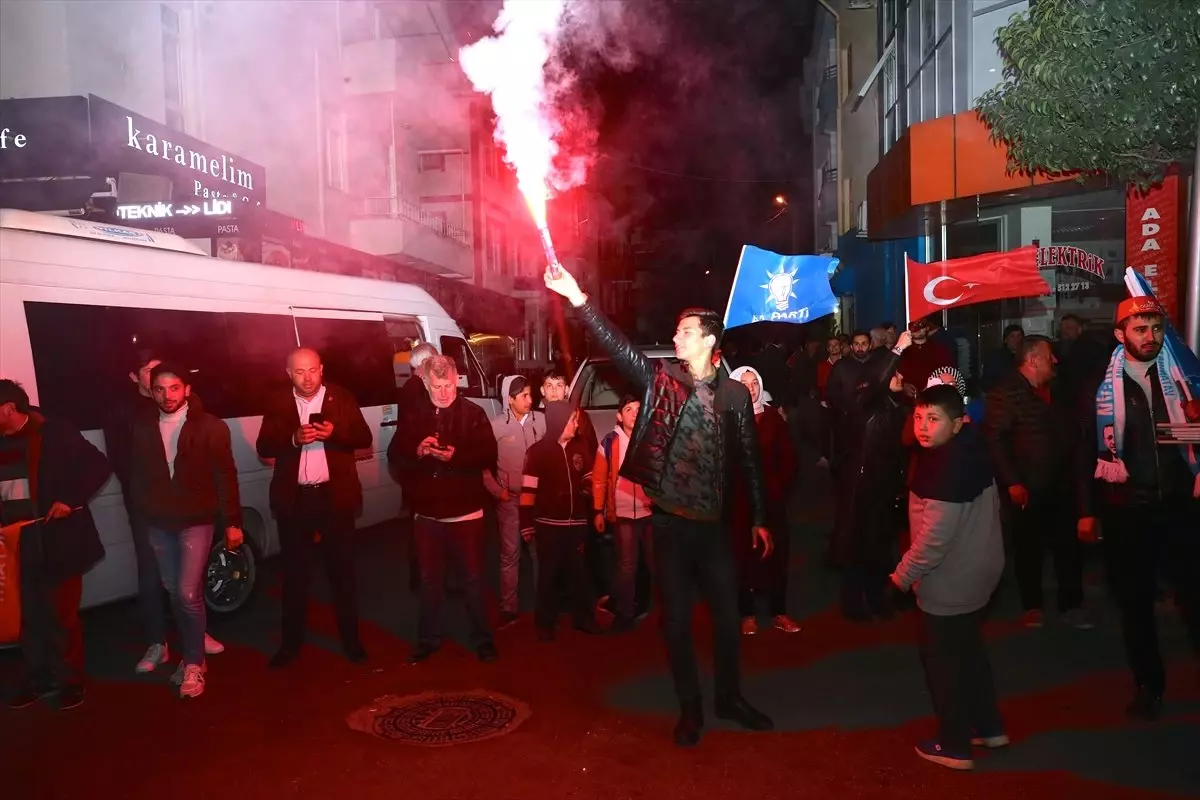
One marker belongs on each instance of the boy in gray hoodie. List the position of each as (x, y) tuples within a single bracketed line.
[(954, 564)]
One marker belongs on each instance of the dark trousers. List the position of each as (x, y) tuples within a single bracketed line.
[(763, 577), (560, 551), (314, 515), (461, 544), (959, 677), (150, 585), (687, 552), (51, 635), (1142, 543), (863, 588), (1047, 524)]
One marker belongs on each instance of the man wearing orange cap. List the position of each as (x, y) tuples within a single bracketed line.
[(1142, 497)]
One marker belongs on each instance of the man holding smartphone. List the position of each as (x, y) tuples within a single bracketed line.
[(445, 448), (312, 434)]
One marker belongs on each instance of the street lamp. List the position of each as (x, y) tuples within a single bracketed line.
[(780, 200)]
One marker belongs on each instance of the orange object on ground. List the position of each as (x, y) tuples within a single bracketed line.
[(10, 584)]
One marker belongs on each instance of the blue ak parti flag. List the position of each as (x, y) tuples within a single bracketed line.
[(768, 287)]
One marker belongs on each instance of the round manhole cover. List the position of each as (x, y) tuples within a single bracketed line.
[(440, 719)]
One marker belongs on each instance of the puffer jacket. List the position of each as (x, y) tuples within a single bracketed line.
[(666, 387)]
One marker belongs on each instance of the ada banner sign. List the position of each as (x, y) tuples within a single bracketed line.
[(1152, 233)]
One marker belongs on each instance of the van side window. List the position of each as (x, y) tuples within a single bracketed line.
[(405, 334), (357, 355), (456, 348), (258, 348), (82, 356)]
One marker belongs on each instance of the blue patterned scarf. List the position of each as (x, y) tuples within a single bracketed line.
[(1178, 375)]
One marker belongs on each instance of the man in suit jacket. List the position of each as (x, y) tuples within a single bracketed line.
[(312, 432)]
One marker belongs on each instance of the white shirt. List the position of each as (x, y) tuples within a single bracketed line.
[(169, 427), (314, 466), (632, 502)]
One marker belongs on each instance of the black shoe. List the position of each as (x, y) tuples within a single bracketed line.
[(545, 634), (70, 697), (735, 708), (355, 653), (422, 652), (487, 652), (690, 725), (283, 657), (1146, 704), (507, 620), (589, 627), (29, 696)]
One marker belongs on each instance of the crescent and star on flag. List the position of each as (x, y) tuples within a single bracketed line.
[(931, 290)]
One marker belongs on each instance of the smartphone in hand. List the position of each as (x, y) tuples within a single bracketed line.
[(316, 419)]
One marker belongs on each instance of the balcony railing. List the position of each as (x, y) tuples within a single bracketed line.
[(830, 72), (828, 175), (400, 208)]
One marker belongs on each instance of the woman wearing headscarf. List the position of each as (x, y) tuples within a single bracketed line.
[(768, 576)]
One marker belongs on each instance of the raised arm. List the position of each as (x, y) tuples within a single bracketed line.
[(629, 359)]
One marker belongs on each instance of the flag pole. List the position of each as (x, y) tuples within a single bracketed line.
[(907, 311)]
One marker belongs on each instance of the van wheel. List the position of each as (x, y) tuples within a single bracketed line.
[(231, 577)]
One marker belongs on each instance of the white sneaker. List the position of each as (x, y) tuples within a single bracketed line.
[(193, 681), (211, 646), (156, 654), (178, 677)]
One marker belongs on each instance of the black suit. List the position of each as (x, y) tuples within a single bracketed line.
[(326, 509)]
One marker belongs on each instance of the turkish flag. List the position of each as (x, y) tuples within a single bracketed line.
[(977, 279)]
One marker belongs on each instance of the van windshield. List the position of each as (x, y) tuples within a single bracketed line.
[(601, 386)]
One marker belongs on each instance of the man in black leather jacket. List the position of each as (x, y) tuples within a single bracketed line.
[(692, 421)]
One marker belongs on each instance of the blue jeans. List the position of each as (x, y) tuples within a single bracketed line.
[(182, 558), (633, 537)]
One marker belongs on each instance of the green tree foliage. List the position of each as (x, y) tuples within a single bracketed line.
[(1108, 86)]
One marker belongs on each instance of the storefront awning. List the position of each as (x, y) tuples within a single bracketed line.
[(947, 158)]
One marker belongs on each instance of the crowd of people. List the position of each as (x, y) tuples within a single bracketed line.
[(690, 486)]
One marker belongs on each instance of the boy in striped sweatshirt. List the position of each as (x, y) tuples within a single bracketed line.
[(555, 506)]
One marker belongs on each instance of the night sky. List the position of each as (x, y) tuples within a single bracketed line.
[(713, 91)]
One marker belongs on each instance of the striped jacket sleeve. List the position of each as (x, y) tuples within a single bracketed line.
[(529, 487)]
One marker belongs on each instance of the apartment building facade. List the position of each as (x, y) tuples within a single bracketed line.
[(937, 187)]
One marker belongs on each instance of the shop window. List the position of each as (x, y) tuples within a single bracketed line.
[(914, 101), (357, 354), (945, 78), (913, 37), (987, 67)]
